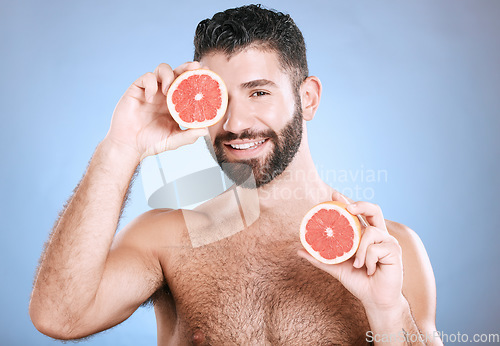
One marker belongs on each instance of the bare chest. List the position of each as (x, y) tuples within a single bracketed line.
[(256, 290)]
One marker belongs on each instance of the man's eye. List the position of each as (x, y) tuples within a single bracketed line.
[(259, 93)]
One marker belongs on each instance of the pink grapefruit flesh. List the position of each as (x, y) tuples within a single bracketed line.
[(197, 98), (330, 233)]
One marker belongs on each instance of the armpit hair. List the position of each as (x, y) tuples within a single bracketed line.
[(160, 294)]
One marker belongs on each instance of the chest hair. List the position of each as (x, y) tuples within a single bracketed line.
[(252, 286)]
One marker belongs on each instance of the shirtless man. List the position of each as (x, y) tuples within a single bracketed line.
[(256, 287)]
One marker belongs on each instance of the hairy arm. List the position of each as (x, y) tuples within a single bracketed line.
[(394, 326), (413, 323), (419, 285), (391, 275), (79, 278), (86, 283)]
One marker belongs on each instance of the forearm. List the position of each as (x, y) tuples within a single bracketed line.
[(73, 262), (394, 326)]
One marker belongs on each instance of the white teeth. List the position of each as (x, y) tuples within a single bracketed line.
[(246, 145)]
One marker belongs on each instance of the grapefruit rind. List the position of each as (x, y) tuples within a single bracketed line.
[(353, 221), (195, 124)]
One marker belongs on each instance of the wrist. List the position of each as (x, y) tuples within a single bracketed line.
[(119, 153), (387, 318)]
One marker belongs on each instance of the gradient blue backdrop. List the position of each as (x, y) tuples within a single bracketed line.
[(411, 88)]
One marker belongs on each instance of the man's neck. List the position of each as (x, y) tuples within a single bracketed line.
[(300, 182)]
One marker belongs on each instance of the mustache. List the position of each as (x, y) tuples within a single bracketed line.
[(246, 134)]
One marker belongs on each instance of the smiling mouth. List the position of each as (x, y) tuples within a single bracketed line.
[(247, 145)]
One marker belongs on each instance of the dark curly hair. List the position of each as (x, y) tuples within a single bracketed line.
[(235, 29)]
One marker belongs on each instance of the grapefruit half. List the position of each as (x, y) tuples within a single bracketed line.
[(197, 98), (330, 233)]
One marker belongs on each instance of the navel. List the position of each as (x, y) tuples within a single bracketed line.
[(198, 337)]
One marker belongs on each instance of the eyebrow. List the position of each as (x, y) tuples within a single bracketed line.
[(257, 83)]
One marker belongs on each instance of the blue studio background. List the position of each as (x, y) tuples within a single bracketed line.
[(411, 93)]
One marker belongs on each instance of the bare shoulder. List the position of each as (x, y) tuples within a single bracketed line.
[(406, 237), (414, 252), (419, 286), (152, 229)]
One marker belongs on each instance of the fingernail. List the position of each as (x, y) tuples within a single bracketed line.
[(356, 263), (352, 205)]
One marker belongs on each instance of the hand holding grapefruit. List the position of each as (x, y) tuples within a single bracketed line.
[(330, 233), (141, 122)]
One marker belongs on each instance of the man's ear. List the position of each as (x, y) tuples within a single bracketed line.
[(310, 95)]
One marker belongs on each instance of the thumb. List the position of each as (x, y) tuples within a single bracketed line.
[(185, 137), (337, 196)]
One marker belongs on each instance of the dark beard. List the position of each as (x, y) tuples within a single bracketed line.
[(255, 173)]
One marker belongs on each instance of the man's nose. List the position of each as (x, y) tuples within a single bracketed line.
[(238, 118)]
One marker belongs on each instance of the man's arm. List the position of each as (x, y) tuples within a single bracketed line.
[(414, 321), (85, 284), (70, 298), (375, 276), (419, 285)]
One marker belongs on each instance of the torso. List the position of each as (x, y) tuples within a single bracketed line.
[(253, 289)]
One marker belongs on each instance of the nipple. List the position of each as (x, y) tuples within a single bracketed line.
[(198, 337)]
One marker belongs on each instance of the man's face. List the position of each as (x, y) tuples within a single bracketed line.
[(262, 128)]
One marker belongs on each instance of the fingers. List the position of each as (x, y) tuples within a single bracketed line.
[(190, 65), (184, 137), (165, 76), (149, 83), (337, 196), (374, 245), (371, 235), (372, 212), (375, 232), (384, 253)]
